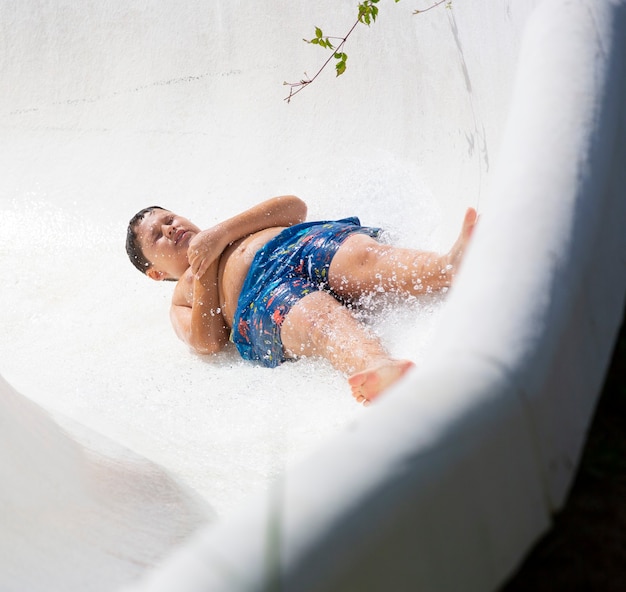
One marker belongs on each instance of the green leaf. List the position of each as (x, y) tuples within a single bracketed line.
[(318, 32), (340, 67)]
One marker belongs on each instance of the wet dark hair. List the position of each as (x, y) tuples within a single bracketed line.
[(133, 248)]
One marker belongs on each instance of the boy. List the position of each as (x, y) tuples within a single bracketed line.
[(276, 285)]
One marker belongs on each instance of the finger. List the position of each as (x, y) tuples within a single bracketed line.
[(192, 255), (204, 265), (194, 264)]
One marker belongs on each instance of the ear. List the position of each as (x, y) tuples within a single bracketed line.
[(156, 275)]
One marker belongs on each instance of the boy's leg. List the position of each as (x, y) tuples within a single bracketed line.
[(362, 265), (318, 325)]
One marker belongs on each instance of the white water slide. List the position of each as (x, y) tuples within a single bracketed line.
[(127, 462)]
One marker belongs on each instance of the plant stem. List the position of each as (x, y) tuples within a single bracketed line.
[(304, 83)]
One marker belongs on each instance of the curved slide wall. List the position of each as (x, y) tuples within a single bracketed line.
[(515, 108)]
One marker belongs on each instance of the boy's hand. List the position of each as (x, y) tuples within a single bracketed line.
[(205, 248)]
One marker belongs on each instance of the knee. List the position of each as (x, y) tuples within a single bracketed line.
[(309, 325), (317, 312), (355, 265), (364, 253)]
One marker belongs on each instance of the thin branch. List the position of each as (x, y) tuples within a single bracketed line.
[(433, 6), (296, 87), (304, 83)]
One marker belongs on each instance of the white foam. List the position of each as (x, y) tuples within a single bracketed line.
[(88, 337)]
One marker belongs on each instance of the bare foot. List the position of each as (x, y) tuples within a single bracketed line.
[(369, 383), (455, 255)]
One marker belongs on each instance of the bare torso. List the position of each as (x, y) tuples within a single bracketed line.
[(234, 265)]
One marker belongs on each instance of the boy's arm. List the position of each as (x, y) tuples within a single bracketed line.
[(200, 325), (208, 245)]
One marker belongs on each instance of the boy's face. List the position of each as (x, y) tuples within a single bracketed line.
[(164, 238)]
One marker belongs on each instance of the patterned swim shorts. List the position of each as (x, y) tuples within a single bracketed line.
[(287, 268)]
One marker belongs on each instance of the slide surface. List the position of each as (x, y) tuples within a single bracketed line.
[(118, 443)]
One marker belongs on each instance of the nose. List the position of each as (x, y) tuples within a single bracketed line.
[(168, 230)]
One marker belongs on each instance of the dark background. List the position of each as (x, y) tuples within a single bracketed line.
[(586, 548)]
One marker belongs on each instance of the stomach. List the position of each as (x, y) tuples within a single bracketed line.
[(234, 265)]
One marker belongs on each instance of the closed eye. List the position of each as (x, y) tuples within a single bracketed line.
[(157, 232)]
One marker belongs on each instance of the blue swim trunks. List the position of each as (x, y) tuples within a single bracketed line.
[(287, 268)]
